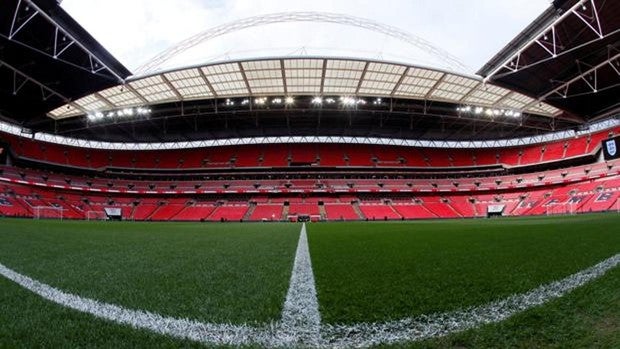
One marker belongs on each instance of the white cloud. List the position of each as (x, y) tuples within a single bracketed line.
[(136, 30)]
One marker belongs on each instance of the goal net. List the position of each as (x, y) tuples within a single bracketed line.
[(48, 212), (96, 216)]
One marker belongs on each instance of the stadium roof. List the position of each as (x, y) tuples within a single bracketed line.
[(47, 59), (48, 81), (304, 76), (568, 57)]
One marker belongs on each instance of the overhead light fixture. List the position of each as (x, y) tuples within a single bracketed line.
[(289, 100), (491, 112), (260, 101), (317, 100), (97, 116), (347, 101), (229, 102), (276, 101)]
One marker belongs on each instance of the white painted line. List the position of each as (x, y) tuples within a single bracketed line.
[(300, 323), (301, 320), (442, 324), (216, 334)]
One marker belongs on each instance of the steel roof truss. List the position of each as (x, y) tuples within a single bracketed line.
[(548, 40)]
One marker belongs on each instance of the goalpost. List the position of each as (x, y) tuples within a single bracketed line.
[(48, 212), (96, 215)]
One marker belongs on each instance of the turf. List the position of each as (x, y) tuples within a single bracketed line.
[(386, 271), (235, 273), (364, 271)]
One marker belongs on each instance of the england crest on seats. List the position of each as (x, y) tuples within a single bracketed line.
[(611, 147)]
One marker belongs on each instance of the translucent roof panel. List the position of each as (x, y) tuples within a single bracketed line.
[(153, 89), (516, 101), (453, 87), (303, 76), (91, 102), (226, 79), (486, 95), (121, 96), (417, 83), (303, 64), (66, 111), (189, 83)]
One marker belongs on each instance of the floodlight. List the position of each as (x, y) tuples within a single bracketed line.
[(317, 100), (289, 100), (347, 101)]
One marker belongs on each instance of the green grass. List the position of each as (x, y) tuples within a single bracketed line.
[(385, 271), (364, 271), (213, 272)]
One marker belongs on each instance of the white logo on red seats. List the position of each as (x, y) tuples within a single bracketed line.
[(611, 147)]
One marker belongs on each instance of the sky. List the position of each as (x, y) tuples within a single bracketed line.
[(134, 31)]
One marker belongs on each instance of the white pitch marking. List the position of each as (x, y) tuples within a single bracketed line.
[(216, 334), (436, 325), (301, 319), (331, 336)]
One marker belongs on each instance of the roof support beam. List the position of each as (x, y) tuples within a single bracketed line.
[(141, 97), (245, 78), (105, 100), (323, 76), (14, 30), (207, 82), (563, 89), (171, 87), (548, 39), (283, 77), (27, 78), (439, 81), (400, 82), (469, 93), (359, 83), (57, 26)]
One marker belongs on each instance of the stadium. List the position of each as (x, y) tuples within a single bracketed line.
[(310, 201)]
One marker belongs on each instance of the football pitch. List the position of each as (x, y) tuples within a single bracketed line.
[(510, 282)]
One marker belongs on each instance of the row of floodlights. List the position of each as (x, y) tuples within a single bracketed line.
[(317, 101), (488, 111), (121, 113)]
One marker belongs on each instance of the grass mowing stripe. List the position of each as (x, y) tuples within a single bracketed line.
[(375, 272), (223, 273), (438, 325), (218, 334)]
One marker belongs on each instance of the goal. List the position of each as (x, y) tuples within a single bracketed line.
[(96, 216), (48, 212)]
